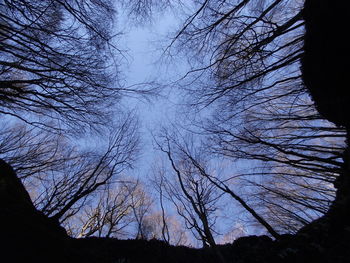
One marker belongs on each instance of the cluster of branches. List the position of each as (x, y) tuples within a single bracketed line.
[(58, 62), (88, 190), (59, 76), (245, 58), (64, 177), (113, 211), (59, 69), (194, 197)]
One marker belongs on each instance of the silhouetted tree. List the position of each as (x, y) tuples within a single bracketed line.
[(65, 191), (59, 65), (197, 163), (59, 74), (244, 59), (295, 157), (158, 181), (194, 197), (110, 214), (141, 204), (30, 151), (63, 178)]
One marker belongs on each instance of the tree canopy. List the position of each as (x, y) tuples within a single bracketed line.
[(250, 147)]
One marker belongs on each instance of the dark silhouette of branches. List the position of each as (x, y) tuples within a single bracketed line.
[(158, 181), (296, 153), (239, 46), (140, 204), (63, 177), (244, 61), (214, 183), (195, 199), (59, 62), (112, 212), (31, 152), (60, 75)]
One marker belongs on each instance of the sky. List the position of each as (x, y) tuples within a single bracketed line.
[(145, 59)]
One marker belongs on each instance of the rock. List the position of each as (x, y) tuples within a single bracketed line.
[(12, 191), (26, 233), (326, 53)]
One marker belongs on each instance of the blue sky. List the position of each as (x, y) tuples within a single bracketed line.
[(145, 63)]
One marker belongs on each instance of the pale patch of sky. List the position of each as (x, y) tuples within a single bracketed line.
[(147, 63)]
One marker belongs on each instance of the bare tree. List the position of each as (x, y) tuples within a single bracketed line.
[(53, 59), (141, 205), (31, 152), (235, 48), (157, 179), (295, 156), (59, 72), (109, 214), (194, 197), (195, 160), (59, 65), (60, 190), (244, 59), (124, 210)]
